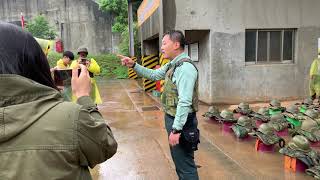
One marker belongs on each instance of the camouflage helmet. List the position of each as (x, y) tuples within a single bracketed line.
[(263, 111), (213, 110), (308, 125), (82, 49), (226, 114), (308, 101), (275, 103), (293, 109), (299, 142), (244, 121), (312, 113), (276, 117), (266, 129), (244, 106)]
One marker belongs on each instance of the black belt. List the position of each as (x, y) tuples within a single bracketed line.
[(192, 114), (190, 119)]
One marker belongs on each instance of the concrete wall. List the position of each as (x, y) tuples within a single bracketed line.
[(202, 37), (149, 34), (229, 79), (151, 47), (78, 22), (150, 28)]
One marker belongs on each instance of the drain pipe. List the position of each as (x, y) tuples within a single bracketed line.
[(130, 23)]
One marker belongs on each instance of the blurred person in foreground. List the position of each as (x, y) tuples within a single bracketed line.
[(42, 136)]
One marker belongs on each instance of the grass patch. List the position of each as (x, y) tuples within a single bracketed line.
[(110, 65)]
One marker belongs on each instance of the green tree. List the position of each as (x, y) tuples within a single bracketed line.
[(39, 27), (124, 43), (119, 10)]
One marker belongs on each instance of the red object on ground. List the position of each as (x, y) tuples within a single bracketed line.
[(258, 123), (158, 83), (293, 164), (315, 144), (263, 147), (226, 126), (59, 46)]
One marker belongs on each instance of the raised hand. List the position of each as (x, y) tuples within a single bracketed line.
[(81, 86), (126, 61)]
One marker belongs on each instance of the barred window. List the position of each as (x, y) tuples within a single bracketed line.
[(269, 46)]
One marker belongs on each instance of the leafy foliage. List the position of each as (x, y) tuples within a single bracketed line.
[(39, 27), (53, 57), (119, 9), (124, 43)]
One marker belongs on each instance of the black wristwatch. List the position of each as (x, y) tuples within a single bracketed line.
[(174, 131)]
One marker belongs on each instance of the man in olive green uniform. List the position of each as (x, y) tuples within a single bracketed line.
[(179, 99)]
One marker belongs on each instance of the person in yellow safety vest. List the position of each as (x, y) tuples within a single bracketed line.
[(315, 78), (65, 62), (94, 68)]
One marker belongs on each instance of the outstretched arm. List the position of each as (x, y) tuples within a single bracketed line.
[(151, 74)]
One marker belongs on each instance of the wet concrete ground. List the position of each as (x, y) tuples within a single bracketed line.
[(143, 152)]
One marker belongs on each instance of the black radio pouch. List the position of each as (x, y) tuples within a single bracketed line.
[(190, 135)]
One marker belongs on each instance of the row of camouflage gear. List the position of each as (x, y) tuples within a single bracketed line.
[(246, 124), (307, 114), (302, 119), (299, 148)]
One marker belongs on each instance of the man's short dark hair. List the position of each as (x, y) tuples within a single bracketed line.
[(176, 36), (68, 54)]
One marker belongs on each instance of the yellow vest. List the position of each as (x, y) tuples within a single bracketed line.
[(315, 67), (95, 69), (61, 65)]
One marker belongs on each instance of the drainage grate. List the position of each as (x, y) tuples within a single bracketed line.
[(150, 108)]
